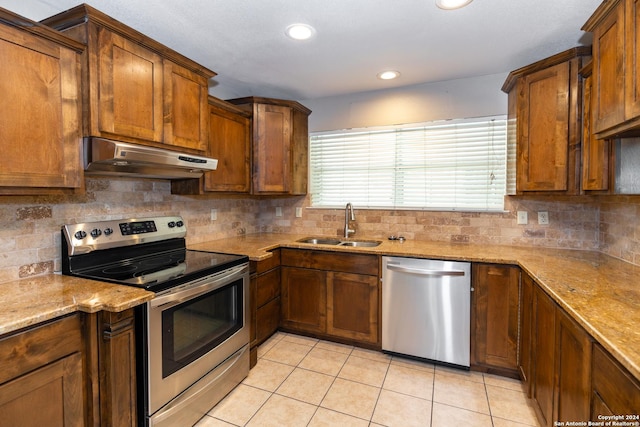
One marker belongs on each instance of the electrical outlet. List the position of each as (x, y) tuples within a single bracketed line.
[(522, 218), (278, 210), (543, 218), (214, 214), (298, 212)]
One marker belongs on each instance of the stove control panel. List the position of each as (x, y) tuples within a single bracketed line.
[(90, 236)]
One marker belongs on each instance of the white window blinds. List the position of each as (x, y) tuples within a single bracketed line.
[(451, 165)]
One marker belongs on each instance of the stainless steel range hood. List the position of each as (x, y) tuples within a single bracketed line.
[(115, 158)]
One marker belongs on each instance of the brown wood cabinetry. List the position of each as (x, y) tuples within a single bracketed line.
[(334, 295), (265, 301), (543, 355), (73, 371), (41, 109), (595, 152), (495, 304), (555, 358), (613, 390), (573, 370), (136, 89), (41, 382), (230, 143), (547, 112), (616, 50), (280, 146)]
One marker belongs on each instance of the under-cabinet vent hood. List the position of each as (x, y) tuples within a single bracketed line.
[(115, 158)]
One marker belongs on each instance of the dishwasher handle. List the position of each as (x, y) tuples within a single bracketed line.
[(423, 272)]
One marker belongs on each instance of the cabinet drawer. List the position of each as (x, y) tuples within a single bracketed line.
[(612, 385), (268, 287), (39, 346), (268, 318), (331, 261), (260, 267)]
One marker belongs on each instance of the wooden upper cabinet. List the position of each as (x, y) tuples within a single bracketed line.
[(136, 89), (280, 136), (126, 97), (595, 152), (616, 49), (186, 108), (548, 116), (40, 114), (230, 143)]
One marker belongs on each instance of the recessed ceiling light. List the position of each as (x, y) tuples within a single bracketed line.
[(388, 75), (452, 4), (300, 31)]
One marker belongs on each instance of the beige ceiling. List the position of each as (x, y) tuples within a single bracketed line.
[(244, 42)]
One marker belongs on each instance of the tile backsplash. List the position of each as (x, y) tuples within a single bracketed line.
[(30, 225)]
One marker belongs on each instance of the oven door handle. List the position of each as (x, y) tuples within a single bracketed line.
[(198, 287)]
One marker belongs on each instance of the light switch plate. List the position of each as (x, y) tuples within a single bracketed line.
[(522, 218), (298, 212), (278, 210), (214, 214)]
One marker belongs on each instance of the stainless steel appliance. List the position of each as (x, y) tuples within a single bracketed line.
[(426, 309), (115, 158), (193, 337)]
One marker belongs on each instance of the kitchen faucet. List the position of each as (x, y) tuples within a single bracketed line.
[(348, 230)]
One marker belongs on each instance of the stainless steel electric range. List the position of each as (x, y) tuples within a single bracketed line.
[(193, 336)]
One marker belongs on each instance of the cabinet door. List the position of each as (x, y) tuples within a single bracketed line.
[(271, 149), (543, 351), (304, 299), (495, 299), (595, 152), (573, 350), (631, 57), (268, 318), (543, 130), (186, 108), (614, 390), (229, 142), (49, 396), (608, 73), (129, 96), (352, 306), (526, 316), (40, 135)]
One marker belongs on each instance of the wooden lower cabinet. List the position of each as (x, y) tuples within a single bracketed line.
[(494, 331), (555, 359), (543, 355), (352, 306), (573, 368), (77, 370), (304, 299), (41, 382), (331, 295), (264, 301), (613, 390)]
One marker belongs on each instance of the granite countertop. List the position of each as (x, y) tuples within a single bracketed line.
[(27, 302), (600, 292)]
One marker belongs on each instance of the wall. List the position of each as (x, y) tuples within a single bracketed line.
[(453, 99)]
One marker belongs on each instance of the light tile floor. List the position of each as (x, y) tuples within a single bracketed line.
[(301, 381)]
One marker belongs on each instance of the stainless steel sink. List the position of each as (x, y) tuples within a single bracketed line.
[(360, 243), (337, 242), (320, 241)]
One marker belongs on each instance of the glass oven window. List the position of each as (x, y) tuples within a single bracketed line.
[(193, 328)]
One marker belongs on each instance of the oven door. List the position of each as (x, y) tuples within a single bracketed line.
[(192, 329)]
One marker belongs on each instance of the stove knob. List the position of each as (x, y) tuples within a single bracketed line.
[(108, 231), (80, 235), (96, 233), (179, 224), (171, 224)]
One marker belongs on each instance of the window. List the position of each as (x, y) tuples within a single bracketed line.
[(449, 165)]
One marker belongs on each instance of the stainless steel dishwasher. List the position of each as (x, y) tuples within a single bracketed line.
[(426, 309)]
